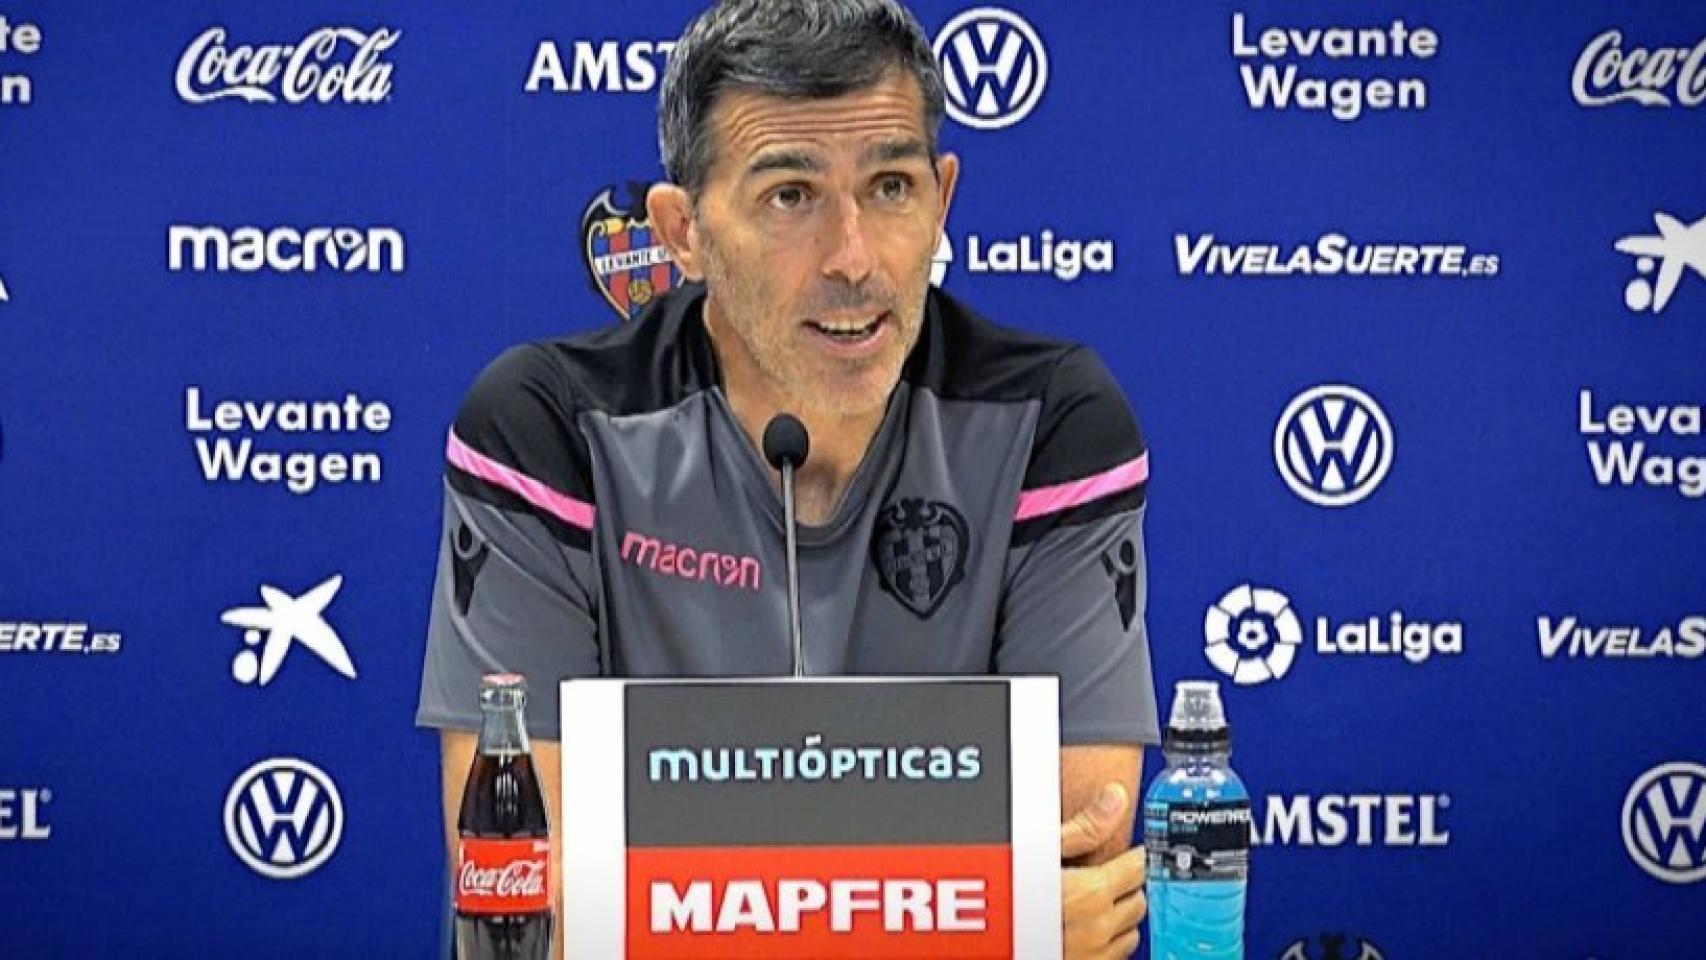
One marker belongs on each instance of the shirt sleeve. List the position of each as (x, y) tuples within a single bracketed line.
[(1076, 570), (515, 587)]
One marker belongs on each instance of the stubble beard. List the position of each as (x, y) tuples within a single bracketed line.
[(743, 307)]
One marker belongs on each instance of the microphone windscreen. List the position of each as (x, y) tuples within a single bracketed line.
[(785, 441)]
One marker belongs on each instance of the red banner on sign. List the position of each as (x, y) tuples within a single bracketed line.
[(724, 903)]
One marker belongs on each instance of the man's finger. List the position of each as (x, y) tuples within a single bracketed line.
[(1128, 913), (1123, 875), (1091, 826), (1122, 948)]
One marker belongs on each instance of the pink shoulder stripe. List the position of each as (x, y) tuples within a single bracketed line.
[(577, 513), (1063, 496)]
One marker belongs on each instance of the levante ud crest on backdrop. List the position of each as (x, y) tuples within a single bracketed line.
[(629, 265)]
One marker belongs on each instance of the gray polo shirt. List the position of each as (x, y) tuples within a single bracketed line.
[(605, 515)]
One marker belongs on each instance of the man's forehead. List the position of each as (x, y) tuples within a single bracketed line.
[(748, 123)]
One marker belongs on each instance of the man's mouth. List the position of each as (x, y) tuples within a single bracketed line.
[(850, 330)]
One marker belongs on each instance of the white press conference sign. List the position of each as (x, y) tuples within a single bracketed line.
[(852, 817)]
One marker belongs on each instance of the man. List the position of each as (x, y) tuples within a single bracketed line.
[(608, 511)]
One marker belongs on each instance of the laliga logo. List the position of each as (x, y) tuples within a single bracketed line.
[(210, 71), (941, 260), (1333, 445), (994, 67), (1664, 822), (1252, 634), (284, 818), (1677, 248)]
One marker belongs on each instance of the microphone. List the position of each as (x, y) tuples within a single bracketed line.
[(786, 445)]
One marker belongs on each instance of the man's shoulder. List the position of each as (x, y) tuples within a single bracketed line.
[(518, 432), (1088, 455), (967, 356), (649, 363)]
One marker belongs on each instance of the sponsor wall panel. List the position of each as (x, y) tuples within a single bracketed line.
[(1472, 681)]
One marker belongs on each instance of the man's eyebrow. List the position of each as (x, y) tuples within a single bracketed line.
[(890, 151), (795, 160)]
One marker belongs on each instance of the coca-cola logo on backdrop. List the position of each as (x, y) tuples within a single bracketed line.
[(329, 65), (1607, 73)]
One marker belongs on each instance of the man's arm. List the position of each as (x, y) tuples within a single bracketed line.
[(516, 588), (456, 755), (1084, 771), (1102, 901), (1074, 607)]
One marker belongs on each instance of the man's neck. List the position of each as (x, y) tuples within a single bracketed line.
[(838, 443), (838, 446)]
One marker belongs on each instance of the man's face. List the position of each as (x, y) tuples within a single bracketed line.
[(815, 230)]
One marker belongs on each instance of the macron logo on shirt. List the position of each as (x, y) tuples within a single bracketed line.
[(674, 560)]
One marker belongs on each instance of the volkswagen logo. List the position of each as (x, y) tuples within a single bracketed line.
[(1664, 822), (1333, 445), (994, 67), (1252, 634), (284, 818), (1333, 947)]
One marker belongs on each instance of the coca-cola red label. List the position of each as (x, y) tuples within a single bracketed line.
[(503, 876)]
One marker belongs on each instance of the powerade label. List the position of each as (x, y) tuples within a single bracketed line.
[(1199, 841)]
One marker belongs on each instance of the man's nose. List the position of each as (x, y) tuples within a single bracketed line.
[(848, 257)]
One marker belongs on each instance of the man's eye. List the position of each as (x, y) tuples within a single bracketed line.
[(895, 188), (787, 198)]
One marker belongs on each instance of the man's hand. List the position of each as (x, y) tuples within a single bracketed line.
[(1100, 906)]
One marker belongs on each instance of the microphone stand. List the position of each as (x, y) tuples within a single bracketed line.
[(789, 520), (786, 446)]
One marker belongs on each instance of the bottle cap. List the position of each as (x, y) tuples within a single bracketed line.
[(1198, 719), (502, 691)]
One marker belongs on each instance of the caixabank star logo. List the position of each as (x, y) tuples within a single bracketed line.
[(1661, 261)]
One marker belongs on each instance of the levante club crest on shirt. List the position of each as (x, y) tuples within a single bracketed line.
[(919, 547), (628, 264)]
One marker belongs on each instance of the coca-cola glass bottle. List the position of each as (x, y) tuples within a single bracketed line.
[(503, 869)]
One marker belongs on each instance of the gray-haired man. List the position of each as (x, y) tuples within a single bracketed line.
[(607, 509)]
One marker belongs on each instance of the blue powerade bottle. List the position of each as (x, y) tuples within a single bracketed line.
[(1196, 828)]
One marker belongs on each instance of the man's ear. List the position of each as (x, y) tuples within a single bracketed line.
[(670, 210), (947, 177)]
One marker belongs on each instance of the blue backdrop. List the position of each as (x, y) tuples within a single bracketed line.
[(1519, 785)]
